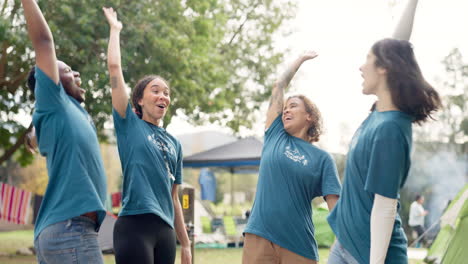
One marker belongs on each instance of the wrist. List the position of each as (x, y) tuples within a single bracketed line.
[(185, 244)]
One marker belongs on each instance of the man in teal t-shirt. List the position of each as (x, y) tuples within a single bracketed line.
[(378, 163), (73, 205)]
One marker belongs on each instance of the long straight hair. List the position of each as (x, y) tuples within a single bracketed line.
[(410, 92)]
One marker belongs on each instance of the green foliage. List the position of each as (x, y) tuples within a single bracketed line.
[(455, 112), (218, 56)]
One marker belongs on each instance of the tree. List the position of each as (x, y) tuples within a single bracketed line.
[(438, 163), (218, 57), (455, 112), (451, 124)]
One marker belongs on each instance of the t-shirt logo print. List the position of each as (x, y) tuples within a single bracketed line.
[(161, 145), (295, 155)]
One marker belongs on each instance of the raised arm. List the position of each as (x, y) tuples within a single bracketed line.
[(277, 95), (405, 25), (114, 64), (41, 38)]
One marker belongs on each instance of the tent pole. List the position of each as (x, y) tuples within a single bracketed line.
[(232, 188)]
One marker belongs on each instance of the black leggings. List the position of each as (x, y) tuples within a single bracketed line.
[(144, 239)]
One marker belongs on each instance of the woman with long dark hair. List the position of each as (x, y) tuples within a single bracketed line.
[(152, 166), (365, 219)]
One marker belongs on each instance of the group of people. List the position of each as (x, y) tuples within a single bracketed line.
[(364, 210), (73, 206)]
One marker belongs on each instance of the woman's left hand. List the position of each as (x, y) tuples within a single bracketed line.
[(186, 255)]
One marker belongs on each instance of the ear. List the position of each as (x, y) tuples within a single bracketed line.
[(140, 102), (309, 118), (381, 70)]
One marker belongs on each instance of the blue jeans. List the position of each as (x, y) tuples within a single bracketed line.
[(71, 241), (339, 255)]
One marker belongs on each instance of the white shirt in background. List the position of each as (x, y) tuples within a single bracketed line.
[(416, 214)]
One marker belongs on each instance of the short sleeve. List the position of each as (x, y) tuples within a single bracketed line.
[(389, 162), (330, 180), (178, 173), (49, 95), (47, 140), (119, 122), (275, 128)]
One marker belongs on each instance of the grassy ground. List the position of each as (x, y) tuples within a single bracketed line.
[(11, 241)]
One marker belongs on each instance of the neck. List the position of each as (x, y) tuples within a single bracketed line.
[(148, 119), (302, 134), (385, 102)]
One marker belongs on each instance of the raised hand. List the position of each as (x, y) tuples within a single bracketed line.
[(114, 63), (277, 93), (308, 55), (111, 16)]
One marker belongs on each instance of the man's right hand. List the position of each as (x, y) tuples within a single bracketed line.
[(30, 141)]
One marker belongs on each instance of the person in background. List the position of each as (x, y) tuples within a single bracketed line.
[(416, 218)]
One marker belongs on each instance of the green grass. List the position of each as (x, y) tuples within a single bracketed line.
[(11, 241)]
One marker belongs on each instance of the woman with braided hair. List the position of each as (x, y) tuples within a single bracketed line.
[(152, 166)]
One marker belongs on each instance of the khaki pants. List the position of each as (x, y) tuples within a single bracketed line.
[(258, 250)]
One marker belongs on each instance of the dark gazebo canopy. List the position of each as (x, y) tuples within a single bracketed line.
[(241, 153)]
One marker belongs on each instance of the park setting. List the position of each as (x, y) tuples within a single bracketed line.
[(288, 131)]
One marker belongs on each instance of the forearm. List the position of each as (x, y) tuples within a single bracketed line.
[(331, 200), (283, 81), (38, 30), (382, 220), (114, 62), (405, 24), (119, 94), (179, 224), (277, 94)]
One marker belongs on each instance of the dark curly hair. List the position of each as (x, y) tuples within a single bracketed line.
[(139, 89), (315, 129), (410, 92)]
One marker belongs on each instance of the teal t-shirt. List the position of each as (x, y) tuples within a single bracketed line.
[(147, 183), (292, 173), (378, 163), (67, 138)]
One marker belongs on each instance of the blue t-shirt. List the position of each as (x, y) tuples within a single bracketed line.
[(292, 173), (143, 149), (67, 138), (378, 163)]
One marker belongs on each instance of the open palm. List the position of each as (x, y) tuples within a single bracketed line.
[(308, 55), (111, 16)]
